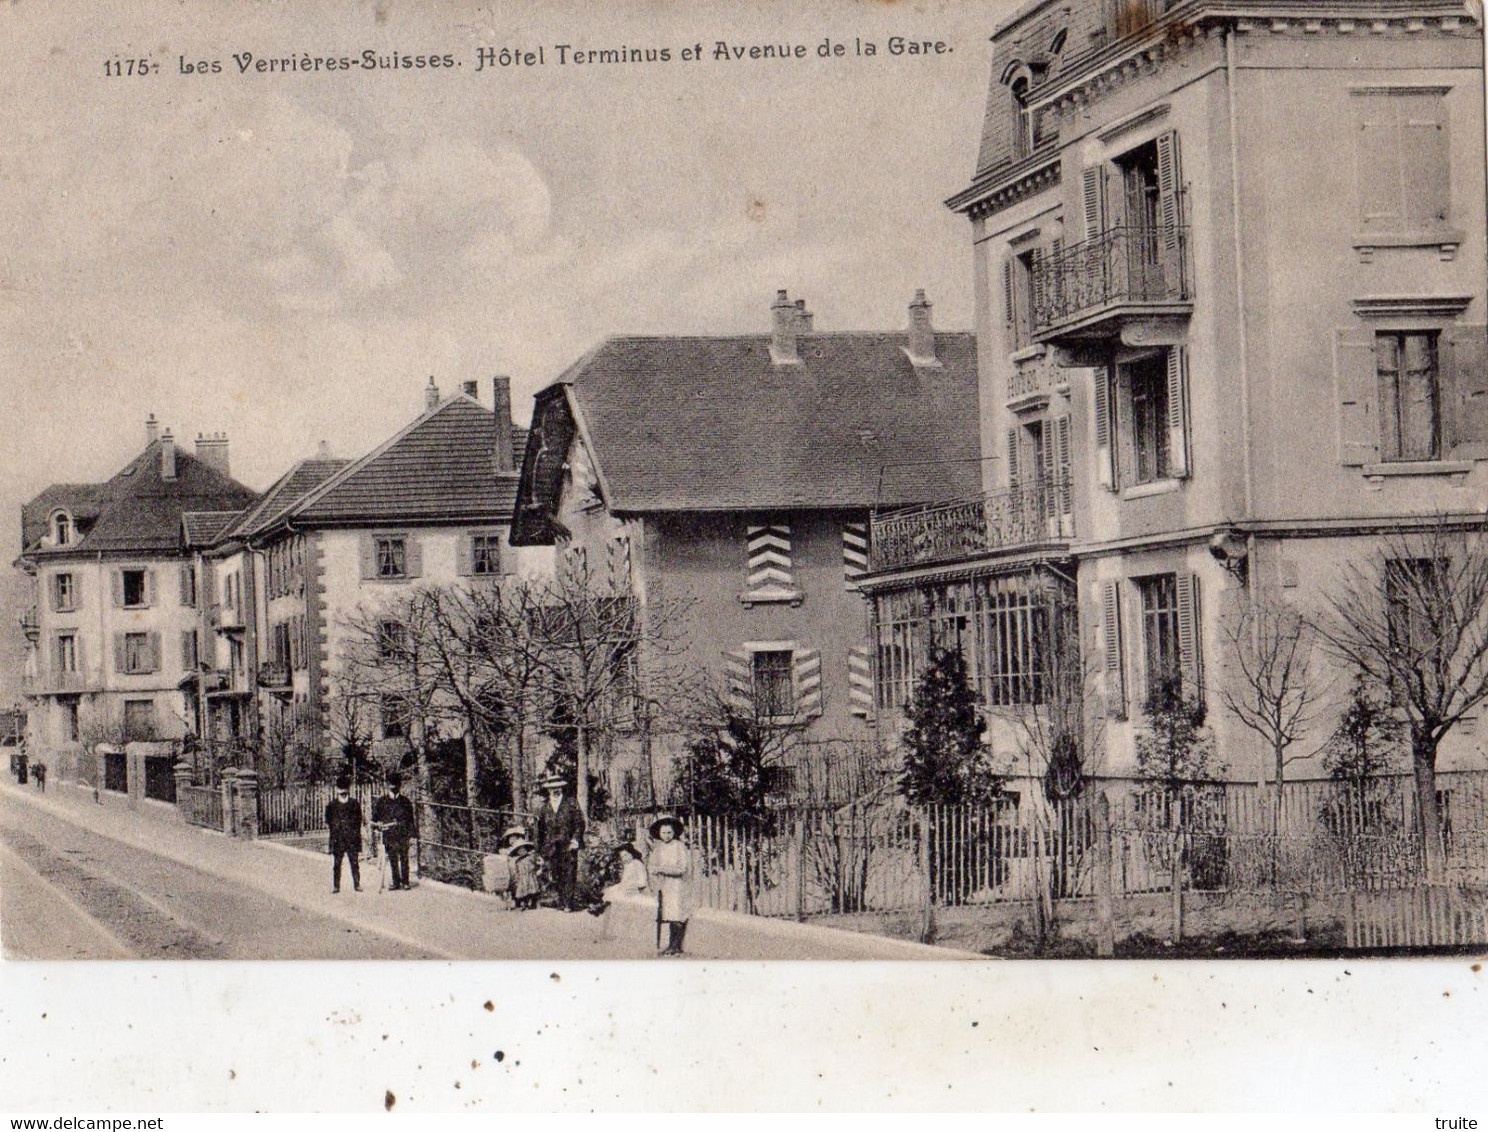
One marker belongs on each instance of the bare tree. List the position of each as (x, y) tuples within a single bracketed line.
[(1277, 693), (1414, 619), (348, 725)]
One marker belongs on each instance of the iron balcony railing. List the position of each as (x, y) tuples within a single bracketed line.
[(1119, 267), (31, 624), (53, 682), (1026, 515)]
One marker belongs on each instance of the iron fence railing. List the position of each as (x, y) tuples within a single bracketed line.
[(1025, 515), (201, 805), (1122, 265)]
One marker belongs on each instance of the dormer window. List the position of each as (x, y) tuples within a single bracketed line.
[(1022, 119), (62, 529)]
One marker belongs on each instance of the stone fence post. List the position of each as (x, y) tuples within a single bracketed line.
[(229, 800), (246, 808), (182, 773)]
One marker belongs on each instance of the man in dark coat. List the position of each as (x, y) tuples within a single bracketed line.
[(343, 816), (393, 814), (560, 833)]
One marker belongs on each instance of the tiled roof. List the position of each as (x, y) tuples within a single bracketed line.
[(438, 469), (709, 424), (138, 511), (79, 499), (203, 528), (283, 494)]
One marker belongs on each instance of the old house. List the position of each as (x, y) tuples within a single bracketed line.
[(1230, 273), (730, 479), (114, 632)]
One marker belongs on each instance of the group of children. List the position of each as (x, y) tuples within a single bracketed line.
[(669, 876)]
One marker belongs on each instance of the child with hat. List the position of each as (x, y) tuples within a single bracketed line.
[(670, 866), (523, 883)]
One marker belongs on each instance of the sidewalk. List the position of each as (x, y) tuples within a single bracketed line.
[(451, 922)]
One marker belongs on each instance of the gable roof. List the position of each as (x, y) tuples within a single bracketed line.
[(203, 528), (712, 424), (139, 511), (283, 494), (438, 469)]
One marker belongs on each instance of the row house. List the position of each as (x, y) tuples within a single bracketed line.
[(730, 480), (1230, 277), (295, 577), (113, 634)]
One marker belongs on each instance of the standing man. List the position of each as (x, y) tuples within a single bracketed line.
[(393, 814), (343, 816), (560, 833)]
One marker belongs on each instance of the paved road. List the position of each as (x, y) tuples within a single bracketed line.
[(66, 892)]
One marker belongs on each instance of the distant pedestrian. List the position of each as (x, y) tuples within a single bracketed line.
[(525, 882), (343, 815), (560, 835), (393, 814), (41, 777), (669, 866)]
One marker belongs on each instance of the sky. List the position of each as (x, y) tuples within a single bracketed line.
[(287, 257)]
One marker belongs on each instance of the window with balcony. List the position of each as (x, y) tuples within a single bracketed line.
[(64, 593), (1409, 396)]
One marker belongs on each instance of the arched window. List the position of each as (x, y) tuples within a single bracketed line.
[(1022, 119), (61, 528)]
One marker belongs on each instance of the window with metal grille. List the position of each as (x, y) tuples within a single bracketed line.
[(773, 690), (392, 558), (1008, 661), (1160, 629), (900, 629), (1409, 395)]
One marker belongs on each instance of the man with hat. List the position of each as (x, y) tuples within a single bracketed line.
[(343, 815), (393, 814), (560, 833)]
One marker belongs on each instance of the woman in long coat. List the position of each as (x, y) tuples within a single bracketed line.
[(669, 866)]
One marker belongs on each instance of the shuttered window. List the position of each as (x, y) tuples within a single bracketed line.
[(774, 689), (1170, 632), (136, 653), (1403, 162), (64, 593), (390, 557), (1409, 396), (1150, 434)]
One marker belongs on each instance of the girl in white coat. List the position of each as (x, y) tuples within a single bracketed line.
[(670, 869)]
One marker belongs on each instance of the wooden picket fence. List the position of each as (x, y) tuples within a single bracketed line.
[(1427, 915)]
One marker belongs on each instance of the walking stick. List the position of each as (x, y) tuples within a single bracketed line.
[(381, 864), (658, 921)]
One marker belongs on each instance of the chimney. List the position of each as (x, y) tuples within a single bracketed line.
[(152, 429), (785, 321), (803, 317), (323, 450), (211, 450), (505, 458), (431, 394), (471, 390), (921, 334), (167, 456)]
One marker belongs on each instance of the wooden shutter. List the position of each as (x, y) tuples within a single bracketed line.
[(1355, 377), (1464, 368), (1178, 411), (1115, 674), (769, 557), (1381, 206), (1169, 190), (367, 554), (806, 680), (119, 653), (150, 587), (188, 650), (1063, 474), (1010, 304), (854, 553), (54, 591), (183, 579), (1105, 471), (413, 556), (465, 554), (738, 682), (116, 581), (1424, 162), (1014, 472), (617, 553), (860, 681), (1093, 198), (152, 658), (77, 652), (1190, 650)]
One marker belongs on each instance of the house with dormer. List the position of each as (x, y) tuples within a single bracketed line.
[(732, 478), (114, 633)]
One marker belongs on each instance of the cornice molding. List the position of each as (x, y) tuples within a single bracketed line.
[(1411, 306), (1005, 190)]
